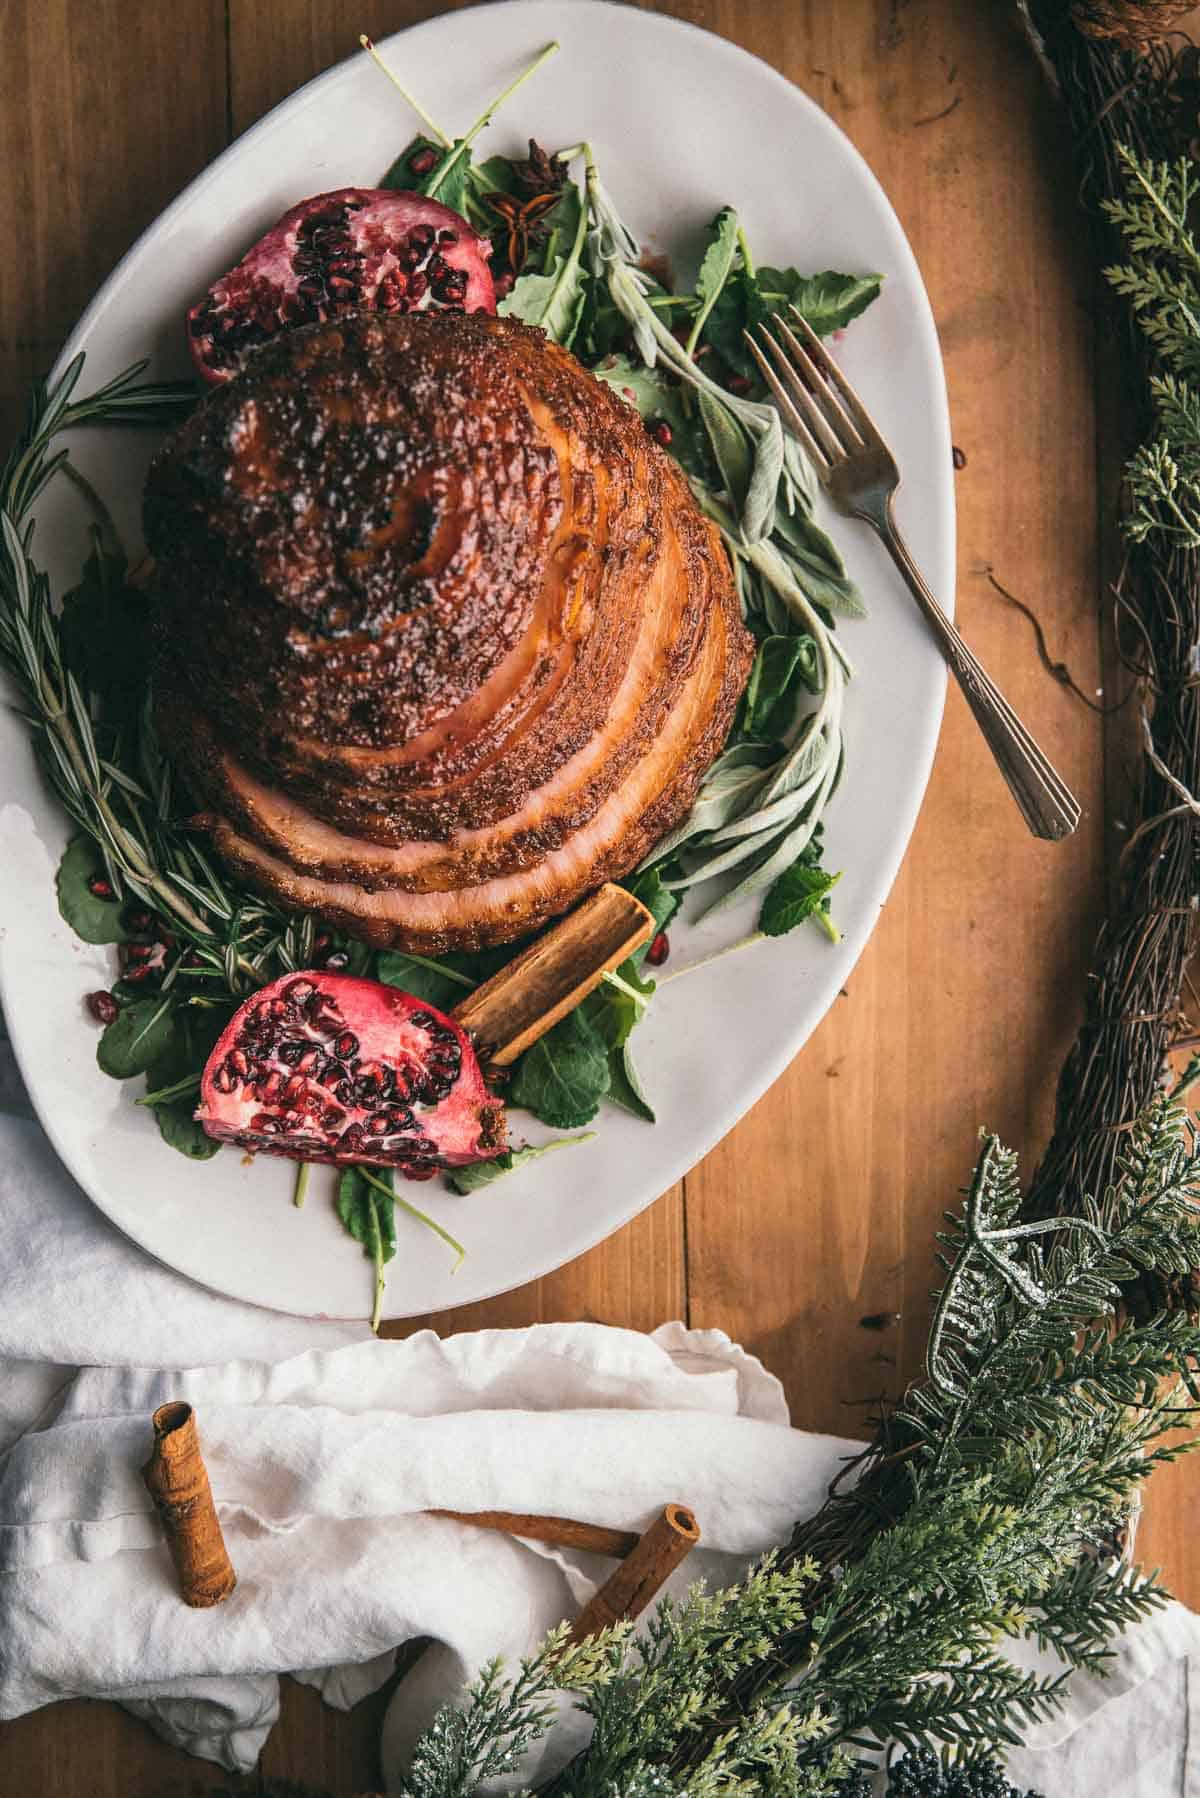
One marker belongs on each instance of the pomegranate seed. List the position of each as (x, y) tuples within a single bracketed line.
[(139, 920), (660, 430), (99, 887), (135, 954), (421, 161), (659, 950), (738, 383), (322, 942), (504, 285), (103, 1007), (139, 976), (417, 1173), (346, 1045), (629, 393)]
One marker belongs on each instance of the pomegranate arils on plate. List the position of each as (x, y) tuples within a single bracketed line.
[(358, 249), (327, 1067)]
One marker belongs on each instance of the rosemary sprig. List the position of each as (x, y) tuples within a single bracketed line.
[(118, 787)]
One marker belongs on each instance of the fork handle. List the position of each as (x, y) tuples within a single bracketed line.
[(1049, 807)]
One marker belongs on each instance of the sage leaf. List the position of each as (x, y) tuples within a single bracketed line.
[(734, 457), (758, 512), (94, 920), (564, 1076), (794, 897), (137, 1037), (815, 564), (484, 1173)]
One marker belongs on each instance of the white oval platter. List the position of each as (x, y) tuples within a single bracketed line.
[(681, 123)]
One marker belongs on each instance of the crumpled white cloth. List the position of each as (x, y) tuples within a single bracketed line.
[(323, 1453), (322, 1468)]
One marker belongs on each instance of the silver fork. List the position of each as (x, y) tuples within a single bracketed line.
[(859, 473)]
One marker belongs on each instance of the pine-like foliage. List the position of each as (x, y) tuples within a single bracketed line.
[(985, 1510), (1161, 280)]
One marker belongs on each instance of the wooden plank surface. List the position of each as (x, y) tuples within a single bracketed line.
[(818, 1209)]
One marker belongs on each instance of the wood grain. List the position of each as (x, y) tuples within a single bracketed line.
[(818, 1210)]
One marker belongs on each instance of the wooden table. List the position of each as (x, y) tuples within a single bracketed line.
[(818, 1210)]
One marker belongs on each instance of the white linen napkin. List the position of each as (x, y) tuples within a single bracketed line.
[(324, 1452)]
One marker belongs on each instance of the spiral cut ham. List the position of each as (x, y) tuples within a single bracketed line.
[(441, 640)]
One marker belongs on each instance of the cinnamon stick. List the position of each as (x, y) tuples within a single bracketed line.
[(520, 1003), (177, 1480), (637, 1581), (562, 1532)]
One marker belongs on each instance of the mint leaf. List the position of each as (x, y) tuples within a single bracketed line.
[(798, 893), (564, 1076), (136, 1038), (95, 920), (483, 1173)]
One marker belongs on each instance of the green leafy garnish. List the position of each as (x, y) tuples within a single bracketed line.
[(366, 1205), (484, 1173), (95, 920), (799, 893), (173, 1078), (105, 640), (715, 269), (784, 668), (443, 983), (554, 298), (564, 1076), (137, 1037)]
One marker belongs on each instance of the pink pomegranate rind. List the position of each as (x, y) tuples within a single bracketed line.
[(356, 249), (327, 1067)]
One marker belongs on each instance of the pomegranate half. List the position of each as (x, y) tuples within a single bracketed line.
[(326, 1067), (357, 249)]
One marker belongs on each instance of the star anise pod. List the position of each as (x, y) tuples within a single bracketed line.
[(523, 223), (540, 174)]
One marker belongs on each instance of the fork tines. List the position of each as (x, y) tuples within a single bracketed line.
[(814, 395)]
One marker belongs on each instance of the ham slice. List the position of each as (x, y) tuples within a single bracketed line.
[(441, 640)]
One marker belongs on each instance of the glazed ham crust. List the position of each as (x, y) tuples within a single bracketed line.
[(441, 639)]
